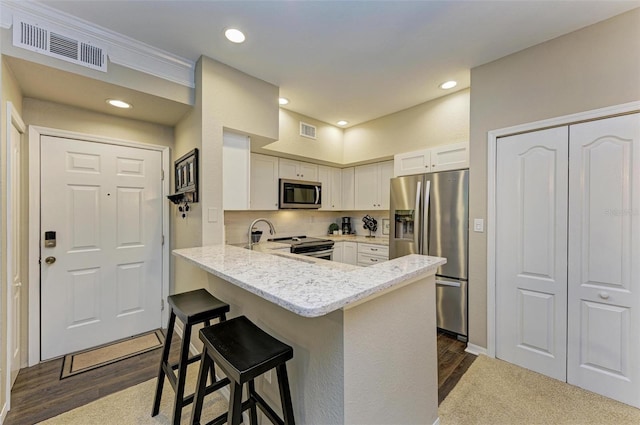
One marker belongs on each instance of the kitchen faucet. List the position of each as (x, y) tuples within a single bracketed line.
[(272, 229)]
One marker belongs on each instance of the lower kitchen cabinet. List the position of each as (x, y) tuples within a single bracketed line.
[(370, 254), (346, 252)]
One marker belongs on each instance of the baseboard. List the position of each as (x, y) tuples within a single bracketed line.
[(476, 349), (3, 413)]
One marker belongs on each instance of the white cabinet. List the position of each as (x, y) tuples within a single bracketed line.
[(236, 165), (346, 252), (450, 157), (331, 179), (416, 162), (348, 189), (372, 186), (297, 170), (338, 252), (264, 182), (350, 253), (439, 158), (370, 254)]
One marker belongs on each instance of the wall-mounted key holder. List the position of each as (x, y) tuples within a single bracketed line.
[(186, 178), (49, 239)]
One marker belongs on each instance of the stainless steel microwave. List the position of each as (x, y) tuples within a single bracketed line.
[(300, 194)]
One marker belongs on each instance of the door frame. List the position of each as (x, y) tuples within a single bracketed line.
[(492, 148), (35, 133), (13, 120)]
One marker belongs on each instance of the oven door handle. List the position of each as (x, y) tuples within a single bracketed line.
[(317, 253)]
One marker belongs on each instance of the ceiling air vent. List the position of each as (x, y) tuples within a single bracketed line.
[(46, 41), (307, 130)]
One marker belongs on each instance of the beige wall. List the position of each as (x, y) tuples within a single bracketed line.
[(225, 99), (591, 68), (10, 92), (327, 147), (438, 122), (55, 115)]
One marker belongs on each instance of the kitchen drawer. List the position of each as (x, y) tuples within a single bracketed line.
[(375, 250), (369, 260)]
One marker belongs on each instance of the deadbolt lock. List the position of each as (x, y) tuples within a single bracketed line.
[(50, 260)]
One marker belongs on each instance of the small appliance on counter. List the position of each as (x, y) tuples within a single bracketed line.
[(346, 225)]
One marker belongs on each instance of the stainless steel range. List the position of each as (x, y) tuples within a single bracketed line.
[(311, 247)]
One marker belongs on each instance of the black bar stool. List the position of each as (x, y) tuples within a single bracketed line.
[(191, 308), (243, 351)]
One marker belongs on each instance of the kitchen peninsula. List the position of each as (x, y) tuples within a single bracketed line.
[(364, 338)]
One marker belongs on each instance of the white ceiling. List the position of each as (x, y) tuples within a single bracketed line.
[(352, 60)]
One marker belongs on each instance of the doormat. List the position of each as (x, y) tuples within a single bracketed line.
[(93, 358)]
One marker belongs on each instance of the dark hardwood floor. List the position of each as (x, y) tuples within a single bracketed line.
[(453, 362), (39, 394)]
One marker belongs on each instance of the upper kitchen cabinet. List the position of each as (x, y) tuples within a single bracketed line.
[(348, 189), (372, 186), (264, 182), (235, 171), (298, 170), (440, 158), (331, 179), (416, 162), (450, 157)]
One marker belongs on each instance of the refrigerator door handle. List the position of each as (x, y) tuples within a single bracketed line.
[(424, 248), (416, 223), (448, 283)]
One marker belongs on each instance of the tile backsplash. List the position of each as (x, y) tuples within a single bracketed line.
[(295, 223)]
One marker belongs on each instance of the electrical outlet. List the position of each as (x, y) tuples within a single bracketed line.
[(478, 225)]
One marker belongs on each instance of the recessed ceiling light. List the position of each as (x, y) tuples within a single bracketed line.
[(234, 35), (342, 122), (448, 85), (283, 101), (119, 103)]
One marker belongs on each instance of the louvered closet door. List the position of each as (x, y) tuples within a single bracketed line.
[(531, 254), (604, 258)]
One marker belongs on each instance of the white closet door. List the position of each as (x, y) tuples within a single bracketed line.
[(531, 254), (604, 258)]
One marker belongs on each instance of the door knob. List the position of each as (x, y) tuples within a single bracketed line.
[(50, 260)]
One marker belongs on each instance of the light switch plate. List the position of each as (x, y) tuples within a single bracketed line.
[(478, 225), (212, 215)]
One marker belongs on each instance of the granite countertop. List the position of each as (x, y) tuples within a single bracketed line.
[(305, 286)]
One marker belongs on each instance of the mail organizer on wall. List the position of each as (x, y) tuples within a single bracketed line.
[(186, 179)]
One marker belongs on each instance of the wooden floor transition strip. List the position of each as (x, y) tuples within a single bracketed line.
[(93, 358)]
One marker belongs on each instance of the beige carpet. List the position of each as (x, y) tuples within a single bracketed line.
[(133, 406), (496, 392), (92, 358)]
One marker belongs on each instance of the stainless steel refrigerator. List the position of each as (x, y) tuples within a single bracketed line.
[(430, 215)]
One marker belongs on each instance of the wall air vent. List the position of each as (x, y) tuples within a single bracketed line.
[(307, 130), (47, 41)]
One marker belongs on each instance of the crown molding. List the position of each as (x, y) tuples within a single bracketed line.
[(121, 50)]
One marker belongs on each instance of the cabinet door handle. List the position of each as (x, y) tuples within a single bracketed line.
[(604, 295)]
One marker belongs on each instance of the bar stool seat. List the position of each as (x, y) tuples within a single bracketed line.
[(191, 308), (243, 351)]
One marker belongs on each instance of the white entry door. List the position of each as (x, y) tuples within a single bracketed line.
[(103, 279), (14, 244), (531, 250), (604, 258)]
